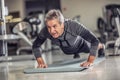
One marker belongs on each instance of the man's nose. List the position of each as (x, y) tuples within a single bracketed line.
[(52, 30)]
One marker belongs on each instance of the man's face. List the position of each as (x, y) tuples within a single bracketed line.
[(55, 28)]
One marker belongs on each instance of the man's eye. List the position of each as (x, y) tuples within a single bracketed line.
[(54, 26), (48, 27)]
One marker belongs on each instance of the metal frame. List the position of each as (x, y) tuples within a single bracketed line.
[(3, 28), (117, 41)]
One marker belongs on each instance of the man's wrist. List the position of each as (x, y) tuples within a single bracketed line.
[(91, 59), (40, 60)]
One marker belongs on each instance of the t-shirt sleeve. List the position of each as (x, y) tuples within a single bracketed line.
[(36, 48), (87, 35)]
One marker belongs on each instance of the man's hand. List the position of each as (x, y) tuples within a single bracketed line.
[(89, 62), (42, 66), (41, 63), (86, 64)]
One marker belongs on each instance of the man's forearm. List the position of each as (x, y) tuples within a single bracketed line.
[(40, 60), (41, 63), (91, 58)]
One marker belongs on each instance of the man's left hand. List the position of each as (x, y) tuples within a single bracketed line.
[(89, 62), (86, 64)]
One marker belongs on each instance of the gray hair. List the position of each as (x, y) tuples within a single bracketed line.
[(54, 14)]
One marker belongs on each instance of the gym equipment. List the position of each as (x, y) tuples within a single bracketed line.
[(4, 37), (115, 24), (1, 20), (3, 44), (23, 29), (109, 28), (34, 21), (116, 18), (64, 66), (9, 37), (102, 30)]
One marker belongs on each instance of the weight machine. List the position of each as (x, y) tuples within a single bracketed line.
[(109, 27)]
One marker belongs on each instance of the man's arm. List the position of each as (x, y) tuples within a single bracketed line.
[(87, 35), (89, 61), (37, 50), (41, 63), (90, 37), (91, 58), (93, 50)]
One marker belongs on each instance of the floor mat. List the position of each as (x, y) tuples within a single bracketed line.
[(64, 66)]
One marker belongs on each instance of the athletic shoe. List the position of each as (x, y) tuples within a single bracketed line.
[(101, 52), (76, 56)]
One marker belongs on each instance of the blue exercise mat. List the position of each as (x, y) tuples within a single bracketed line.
[(64, 66)]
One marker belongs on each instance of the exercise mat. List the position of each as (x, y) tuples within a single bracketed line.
[(63, 66)]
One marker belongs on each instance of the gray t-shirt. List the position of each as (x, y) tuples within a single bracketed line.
[(72, 40)]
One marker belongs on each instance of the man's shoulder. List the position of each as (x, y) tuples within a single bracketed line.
[(68, 20), (72, 24)]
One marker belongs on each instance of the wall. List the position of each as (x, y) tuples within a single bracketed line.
[(16, 5), (89, 10)]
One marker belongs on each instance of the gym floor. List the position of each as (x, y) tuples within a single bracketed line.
[(106, 70)]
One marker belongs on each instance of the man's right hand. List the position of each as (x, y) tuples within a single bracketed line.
[(42, 66), (41, 63)]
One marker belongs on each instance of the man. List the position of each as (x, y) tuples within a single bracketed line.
[(71, 36)]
